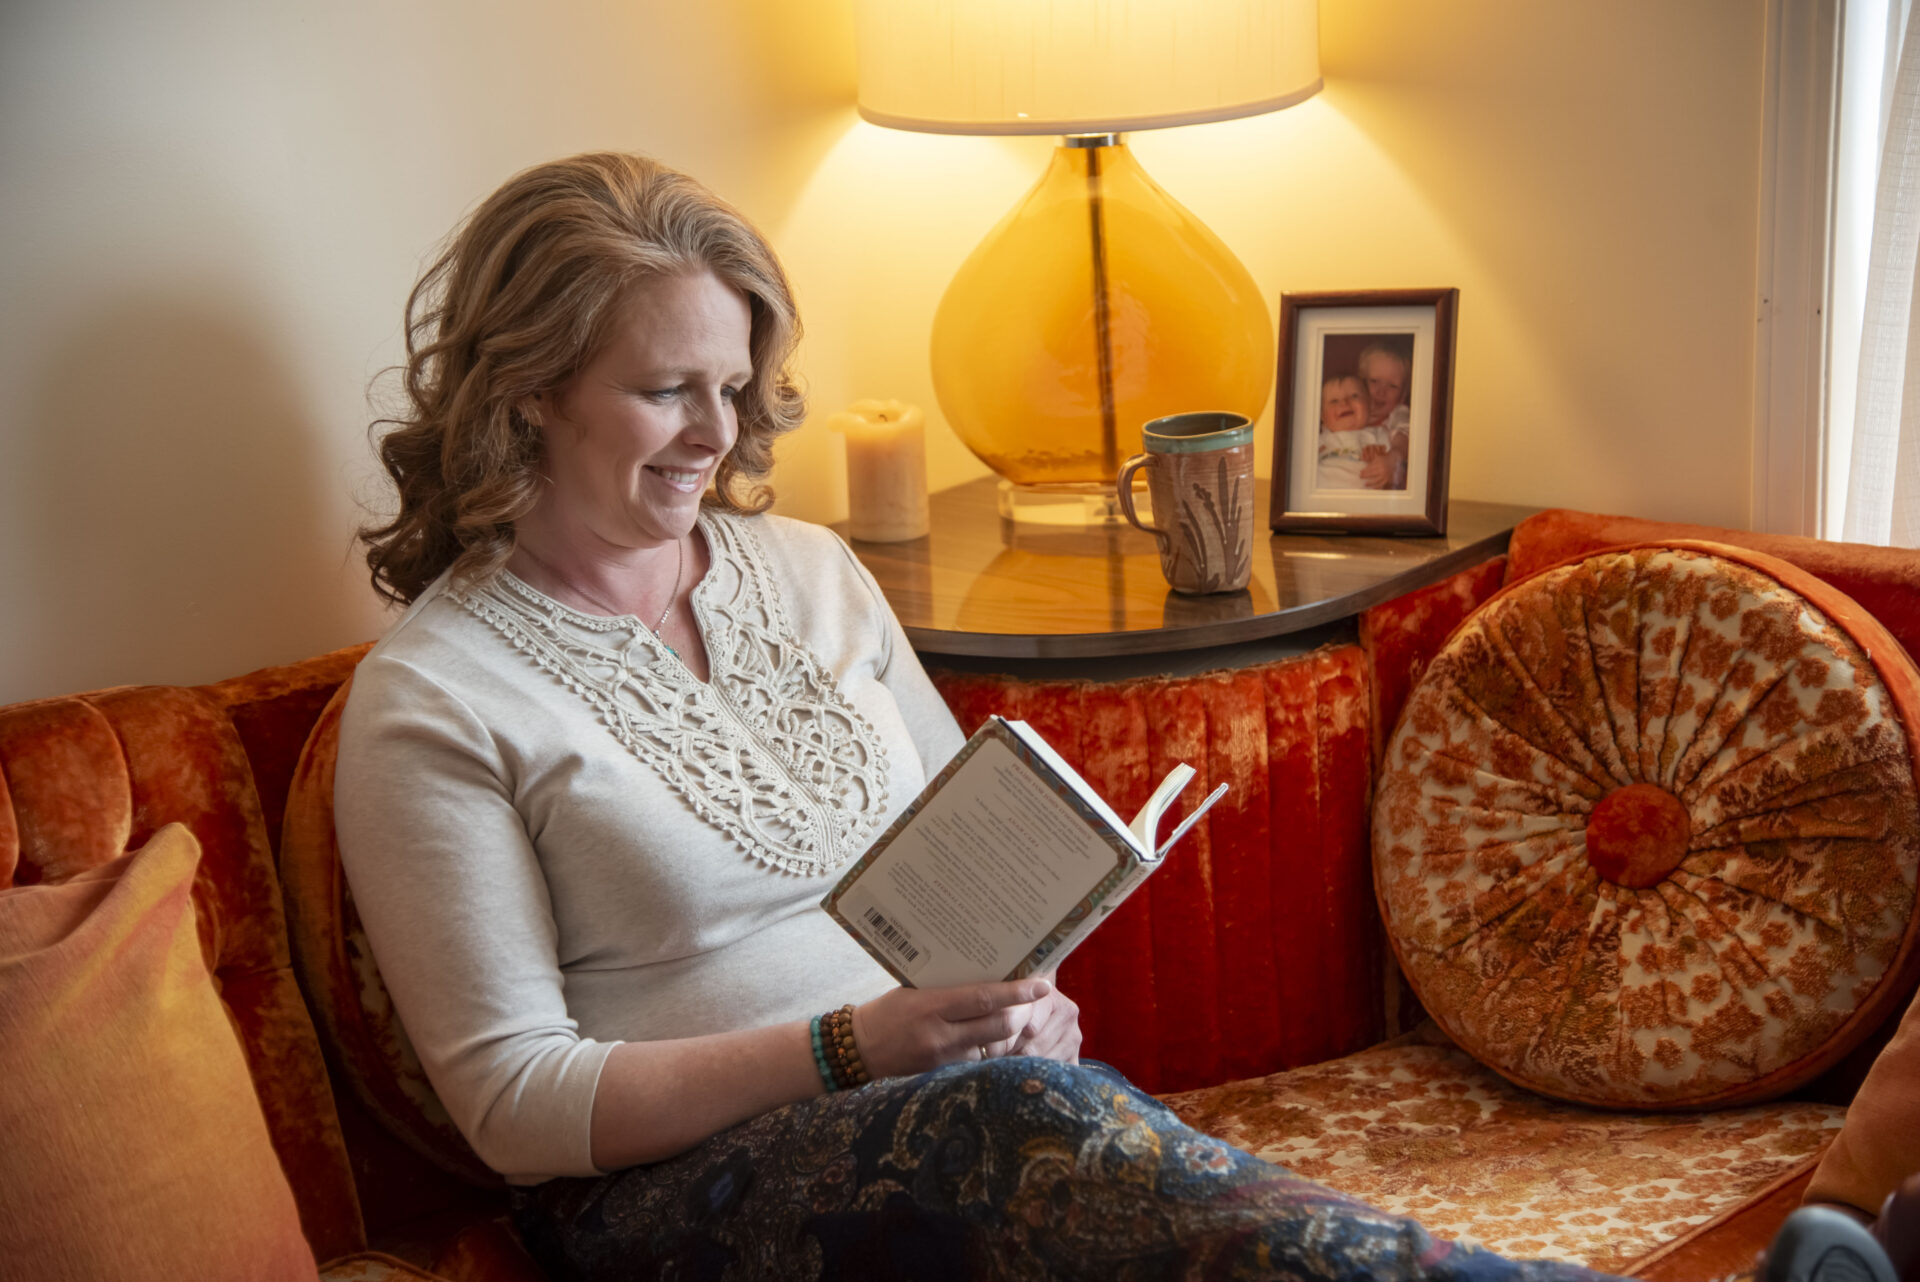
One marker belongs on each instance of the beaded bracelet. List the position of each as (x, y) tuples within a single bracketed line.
[(843, 1054), (820, 1056), (831, 1032)]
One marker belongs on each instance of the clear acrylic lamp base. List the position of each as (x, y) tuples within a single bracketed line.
[(1075, 503)]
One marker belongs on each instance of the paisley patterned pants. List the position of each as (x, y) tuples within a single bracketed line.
[(1013, 1168)]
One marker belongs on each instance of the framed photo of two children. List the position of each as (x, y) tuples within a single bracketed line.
[(1363, 411)]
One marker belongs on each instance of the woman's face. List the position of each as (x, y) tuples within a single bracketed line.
[(633, 439)]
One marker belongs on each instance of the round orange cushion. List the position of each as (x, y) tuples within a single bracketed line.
[(1647, 833)]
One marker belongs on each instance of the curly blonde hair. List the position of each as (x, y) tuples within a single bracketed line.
[(522, 297)]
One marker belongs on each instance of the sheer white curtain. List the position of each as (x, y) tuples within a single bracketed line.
[(1883, 476)]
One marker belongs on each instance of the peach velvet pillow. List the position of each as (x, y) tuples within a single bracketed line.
[(1647, 833), (134, 1144)]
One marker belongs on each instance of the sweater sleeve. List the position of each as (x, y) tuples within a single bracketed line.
[(935, 733), (456, 908)]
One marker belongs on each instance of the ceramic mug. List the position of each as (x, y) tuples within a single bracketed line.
[(1200, 477)]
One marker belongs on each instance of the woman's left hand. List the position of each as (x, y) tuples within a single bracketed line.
[(1052, 1031)]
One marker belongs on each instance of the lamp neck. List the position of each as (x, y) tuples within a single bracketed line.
[(1093, 140)]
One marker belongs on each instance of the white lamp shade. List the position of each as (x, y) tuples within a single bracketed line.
[(1081, 66)]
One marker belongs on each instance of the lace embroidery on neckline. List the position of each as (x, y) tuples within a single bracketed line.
[(768, 749)]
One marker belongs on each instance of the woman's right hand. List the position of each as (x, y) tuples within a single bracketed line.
[(913, 1030)]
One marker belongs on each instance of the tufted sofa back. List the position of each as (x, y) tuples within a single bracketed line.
[(85, 778)]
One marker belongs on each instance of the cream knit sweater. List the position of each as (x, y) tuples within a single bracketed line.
[(558, 839)]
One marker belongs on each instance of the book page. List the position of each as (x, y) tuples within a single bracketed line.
[(992, 863), (1045, 751)]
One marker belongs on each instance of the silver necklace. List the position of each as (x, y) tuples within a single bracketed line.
[(679, 571), (679, 568)]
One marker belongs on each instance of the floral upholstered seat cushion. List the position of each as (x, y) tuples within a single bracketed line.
[(1419, 1128), (1647, 832)]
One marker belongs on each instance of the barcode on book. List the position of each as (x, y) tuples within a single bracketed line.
[(891, 935)]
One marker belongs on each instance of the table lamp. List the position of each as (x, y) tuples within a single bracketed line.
[(1098, 303)]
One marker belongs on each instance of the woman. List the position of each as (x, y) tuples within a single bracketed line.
[(595, 780)]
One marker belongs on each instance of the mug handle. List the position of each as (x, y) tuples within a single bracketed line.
[(1123, 492)]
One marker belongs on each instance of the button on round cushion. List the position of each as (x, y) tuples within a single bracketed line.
[(1647, 833)]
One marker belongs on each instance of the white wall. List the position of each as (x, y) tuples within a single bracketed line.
[(212, 212)]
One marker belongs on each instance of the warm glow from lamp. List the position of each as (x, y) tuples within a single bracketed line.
[(1098, 303)]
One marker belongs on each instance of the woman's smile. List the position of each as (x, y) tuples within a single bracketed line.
[(685, 480)]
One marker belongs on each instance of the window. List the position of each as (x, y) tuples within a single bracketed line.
[(1870, 44)]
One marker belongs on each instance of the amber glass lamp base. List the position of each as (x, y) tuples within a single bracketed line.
[(1097, 304)]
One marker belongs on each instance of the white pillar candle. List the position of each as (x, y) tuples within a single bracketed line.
[(886, 469)]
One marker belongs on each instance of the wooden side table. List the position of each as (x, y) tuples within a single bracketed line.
[(981, 586)]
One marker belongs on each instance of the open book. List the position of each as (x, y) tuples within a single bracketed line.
[(1002, 865)]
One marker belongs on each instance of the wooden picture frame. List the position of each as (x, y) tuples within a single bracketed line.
[(1391, 477)]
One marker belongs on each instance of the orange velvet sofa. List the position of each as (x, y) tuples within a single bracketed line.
[(1249, 983)]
